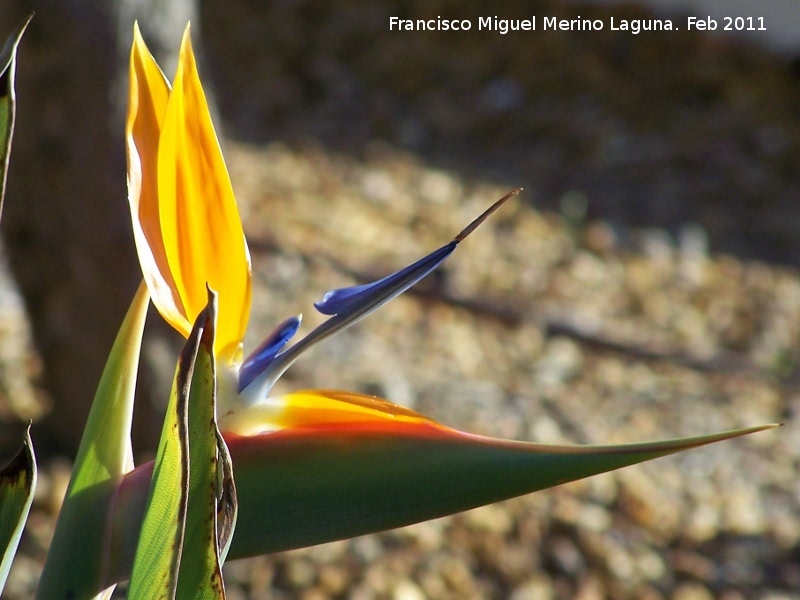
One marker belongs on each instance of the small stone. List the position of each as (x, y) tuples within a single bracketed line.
[(536, 588), (692, 591), (407, 590)]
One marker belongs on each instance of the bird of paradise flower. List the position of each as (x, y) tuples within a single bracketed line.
[(314, 465)]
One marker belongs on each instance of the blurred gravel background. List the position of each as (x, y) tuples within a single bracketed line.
[(645, 286)]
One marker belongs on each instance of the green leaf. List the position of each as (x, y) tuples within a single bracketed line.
[(77, 562), (17, 484), (209, 525), (8, 64), (190, 510)]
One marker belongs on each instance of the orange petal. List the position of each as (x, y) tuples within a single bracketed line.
[(147, 104), (200, 226), (186, 224), (307, 409)]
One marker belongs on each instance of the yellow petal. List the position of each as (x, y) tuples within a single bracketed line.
[(147, 104)]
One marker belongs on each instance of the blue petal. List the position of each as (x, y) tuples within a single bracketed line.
[(358, 301), (345, 307), (259, 358), (360, 298)]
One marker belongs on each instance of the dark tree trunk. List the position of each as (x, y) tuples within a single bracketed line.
[(65, 220)]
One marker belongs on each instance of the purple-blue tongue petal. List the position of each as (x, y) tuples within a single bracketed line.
[(360, 300), (346, 306), (259, 358), (363, 299)]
